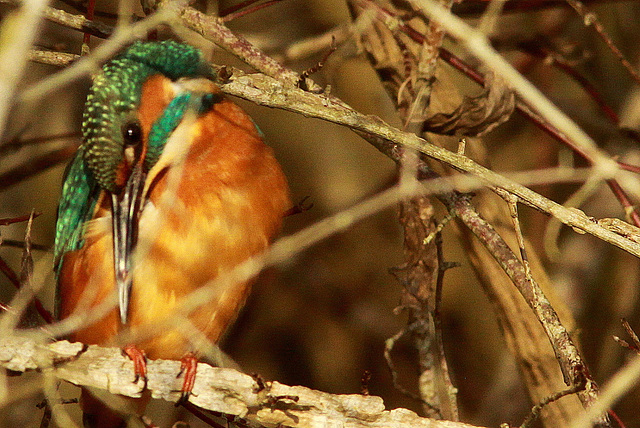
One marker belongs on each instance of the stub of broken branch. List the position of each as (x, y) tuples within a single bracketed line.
[(219, 389)]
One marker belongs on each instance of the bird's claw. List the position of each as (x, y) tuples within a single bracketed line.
[(188, 367), (139, 360)]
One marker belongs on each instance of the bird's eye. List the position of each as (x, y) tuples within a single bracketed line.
[(132, 133), (209, 100)]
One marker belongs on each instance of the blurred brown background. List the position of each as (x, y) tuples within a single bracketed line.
[(321, 320)]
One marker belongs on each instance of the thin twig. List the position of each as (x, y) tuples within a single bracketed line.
[(617, 386), (201, 415), (522, 108), (36, 165), (20, 244), (58, 59), (475, 7), (227, 17), (554, 227), (19, 219), (573, 368), (26, 291), (635, 341), (479, 46), (512, 202), (81, 7), (561, 63), (17, 143), (213, 29), (90, 63), (20, 26), (302, 81), (450, 391), (265, 91), (15, 280), (590, 18), (389, 345), (535, 410), (78, 22)]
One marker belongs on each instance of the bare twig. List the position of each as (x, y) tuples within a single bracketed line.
[(15, 280), (18, 143), (27, 289), (554, 227), (19, 219), (19, 29), (420, 271), (450, 392), (557, 60), (36, 165), (78, 22), (521, 107), (417, 276), (268, 92), (213, 29), (573, 368), (475, 7), (635, 341), (536, 119), (479, 46), (590, 18), (230, 16), (69, 20), (535, 411), (59, 59), (123, 35), (389, 345), (619, 384), (512, 202)]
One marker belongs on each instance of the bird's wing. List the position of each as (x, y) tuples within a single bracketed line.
[(78, 200)]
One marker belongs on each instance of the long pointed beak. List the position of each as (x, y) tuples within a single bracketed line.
[(125, 208)]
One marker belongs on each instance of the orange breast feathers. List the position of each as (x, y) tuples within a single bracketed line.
[(216, 197)]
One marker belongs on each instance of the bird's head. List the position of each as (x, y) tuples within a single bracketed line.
[(111, 128)]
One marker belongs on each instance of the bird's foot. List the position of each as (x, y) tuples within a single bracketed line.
[(139, 362), (188, 367)]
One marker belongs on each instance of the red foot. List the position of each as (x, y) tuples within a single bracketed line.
[(139, 362), (188, 366)]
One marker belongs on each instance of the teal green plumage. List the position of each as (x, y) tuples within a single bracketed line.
[(164, 126), (79, 197)]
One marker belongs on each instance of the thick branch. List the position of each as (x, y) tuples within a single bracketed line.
[(218, 389)]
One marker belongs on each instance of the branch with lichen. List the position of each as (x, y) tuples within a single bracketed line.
[(218, 389)]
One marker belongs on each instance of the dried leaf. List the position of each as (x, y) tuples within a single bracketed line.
[(476, 116)]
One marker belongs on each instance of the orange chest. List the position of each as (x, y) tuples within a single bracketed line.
[(223, 204)]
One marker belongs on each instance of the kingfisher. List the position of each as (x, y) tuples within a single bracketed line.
[(171, 186)]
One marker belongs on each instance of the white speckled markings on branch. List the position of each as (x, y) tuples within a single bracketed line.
[(219, 389)]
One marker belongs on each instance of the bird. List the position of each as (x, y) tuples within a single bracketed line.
[(171, 186)]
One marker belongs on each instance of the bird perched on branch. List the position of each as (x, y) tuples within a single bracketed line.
[(171, 186)]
